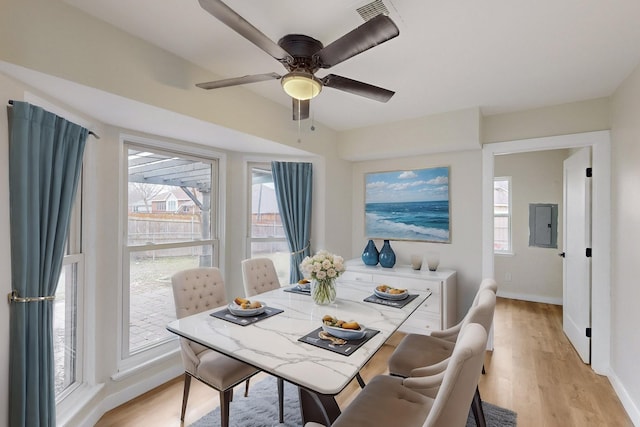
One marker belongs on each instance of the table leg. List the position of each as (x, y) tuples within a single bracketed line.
[(318, 408)]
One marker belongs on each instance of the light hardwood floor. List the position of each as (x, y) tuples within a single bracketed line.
[(533, 370)]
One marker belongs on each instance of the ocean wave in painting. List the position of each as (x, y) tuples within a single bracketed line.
[(408, 220)]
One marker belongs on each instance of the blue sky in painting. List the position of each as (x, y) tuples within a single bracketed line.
[(420, 185)]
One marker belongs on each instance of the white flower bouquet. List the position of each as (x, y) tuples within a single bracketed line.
[(323, 268)]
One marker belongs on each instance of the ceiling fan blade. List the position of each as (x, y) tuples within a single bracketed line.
[(239, 81), (357, 88), (241, 26), (300, 109), (372, 33)]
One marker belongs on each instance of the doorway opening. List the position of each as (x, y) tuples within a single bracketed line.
[(600, 145)]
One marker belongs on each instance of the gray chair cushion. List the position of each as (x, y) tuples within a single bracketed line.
[(385, 402), (220, 371)]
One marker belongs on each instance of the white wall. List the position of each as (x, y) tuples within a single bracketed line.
[(575, 117), (438, 133), (11, 90), (625, 221), (531, 273), (464, 253)]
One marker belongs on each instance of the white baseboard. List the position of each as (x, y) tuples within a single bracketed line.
[(629, 405), (129, 393), (530, 297)]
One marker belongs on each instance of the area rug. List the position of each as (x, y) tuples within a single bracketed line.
[(260, 409)]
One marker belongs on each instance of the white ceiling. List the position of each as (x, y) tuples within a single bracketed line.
[(499, 55)]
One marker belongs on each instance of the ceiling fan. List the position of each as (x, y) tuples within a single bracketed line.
[(302, 56)]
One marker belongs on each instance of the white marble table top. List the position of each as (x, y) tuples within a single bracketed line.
[(272, 344)]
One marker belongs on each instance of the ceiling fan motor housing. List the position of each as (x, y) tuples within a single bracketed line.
[(301, 48)]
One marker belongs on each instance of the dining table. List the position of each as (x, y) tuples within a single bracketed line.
[(284, 341)]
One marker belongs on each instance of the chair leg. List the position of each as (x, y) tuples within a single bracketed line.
[(281, 400), (478, 412), (185, 394), (225, 398), (483, 371), (360, 380), (246, 389)]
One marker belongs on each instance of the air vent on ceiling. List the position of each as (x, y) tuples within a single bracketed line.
[(373, 9)]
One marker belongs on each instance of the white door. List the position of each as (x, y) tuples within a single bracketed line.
[(576, 265)]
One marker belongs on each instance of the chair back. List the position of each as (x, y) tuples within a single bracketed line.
[(451, 405), (259, 275), (482, 312), (485, 284), (196, 290)]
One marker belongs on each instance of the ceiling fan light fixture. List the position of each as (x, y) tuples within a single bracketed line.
[(301, 85)]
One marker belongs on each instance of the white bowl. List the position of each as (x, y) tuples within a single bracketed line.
[(386, 295), (347, 334), (245, 312), (304, 286)]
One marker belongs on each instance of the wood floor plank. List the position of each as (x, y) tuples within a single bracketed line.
[(533, 370)]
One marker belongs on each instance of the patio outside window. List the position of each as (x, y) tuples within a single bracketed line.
[(266, 233), (170, 212)]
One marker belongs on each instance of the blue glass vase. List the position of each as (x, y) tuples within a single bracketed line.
[(387, 257), (370, 254)]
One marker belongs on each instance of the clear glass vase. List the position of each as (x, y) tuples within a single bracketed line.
[(323, 291)]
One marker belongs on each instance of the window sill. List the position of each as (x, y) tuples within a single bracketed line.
[(75, 402), (504, 253), (128, 371)]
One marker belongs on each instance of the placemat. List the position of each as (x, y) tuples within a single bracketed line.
[(296, 290), (244, 321), (344, 349), (390, 302)]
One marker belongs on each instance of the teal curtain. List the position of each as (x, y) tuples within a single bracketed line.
[(293, 183), (45, 159)]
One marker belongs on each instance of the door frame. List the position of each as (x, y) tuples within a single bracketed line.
[(600, 143)]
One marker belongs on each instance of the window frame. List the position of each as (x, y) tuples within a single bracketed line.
[(74, 255), (508, 215), (251, 165), (130, 362)]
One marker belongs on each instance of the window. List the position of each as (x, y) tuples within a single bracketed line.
[(502, 215), (266, 233), (161, 240), (67, 310)]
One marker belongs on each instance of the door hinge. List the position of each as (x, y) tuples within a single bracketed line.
[(589, 172), (588, 332), (588, 252)]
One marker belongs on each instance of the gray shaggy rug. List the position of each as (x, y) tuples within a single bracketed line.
[(260, 409)]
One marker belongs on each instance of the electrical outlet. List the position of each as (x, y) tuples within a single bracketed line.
[(507, 277)]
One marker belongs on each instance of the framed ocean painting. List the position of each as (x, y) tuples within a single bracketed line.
[(408, 205)]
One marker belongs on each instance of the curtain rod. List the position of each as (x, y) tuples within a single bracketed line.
[(95, 135)]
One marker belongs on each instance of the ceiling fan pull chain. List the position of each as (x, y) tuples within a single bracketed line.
[(299, 138)]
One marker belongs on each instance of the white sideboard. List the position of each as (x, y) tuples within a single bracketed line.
[(436, 313)]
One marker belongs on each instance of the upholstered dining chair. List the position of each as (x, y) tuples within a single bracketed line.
[(410, 402), (451, 334), (196, 290), (259, 275), (427, 355)]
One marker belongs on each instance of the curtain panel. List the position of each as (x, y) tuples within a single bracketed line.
[(45, 160), (293, 184)]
